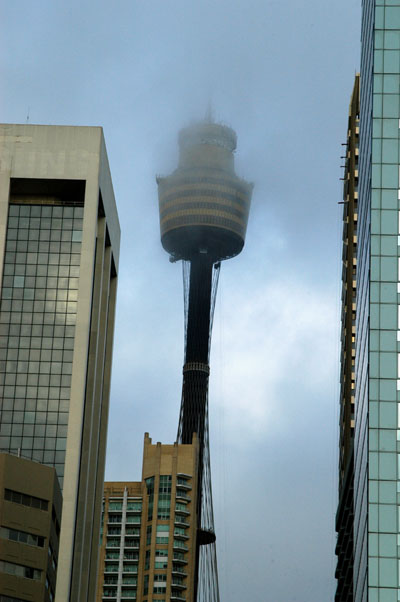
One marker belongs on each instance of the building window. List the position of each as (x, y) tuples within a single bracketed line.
[(162, 534), (164, 497), (165, 484), (115, 518), (128, 593), (129, 580), (109, 592), (150, 495), (131, 543), (133, 518), (148, 535), (25, 500), (130, 568), (161, 559), (49, 590), (4, 598), (52, 557), (132, 531), (22, 537), (131, 555), (113, 542), (134, 506), (20, 570)]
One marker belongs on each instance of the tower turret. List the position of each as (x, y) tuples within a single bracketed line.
[(204, 206)]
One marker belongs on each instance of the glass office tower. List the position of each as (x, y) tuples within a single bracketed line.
[(59, 244), (376, 574)]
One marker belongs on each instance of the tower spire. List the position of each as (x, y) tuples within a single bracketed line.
[(209, 116)]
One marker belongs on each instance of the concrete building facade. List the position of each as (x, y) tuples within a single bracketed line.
[(149, 529), (30, 517), (59, 251)]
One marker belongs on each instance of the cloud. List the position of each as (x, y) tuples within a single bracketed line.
[(282, 333)]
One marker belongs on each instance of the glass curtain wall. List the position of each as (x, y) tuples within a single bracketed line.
[(37, 327)]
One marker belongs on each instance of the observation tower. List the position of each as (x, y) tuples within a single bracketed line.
[(204, 208)]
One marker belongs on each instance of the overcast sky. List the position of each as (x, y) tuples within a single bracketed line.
[(280, 73)]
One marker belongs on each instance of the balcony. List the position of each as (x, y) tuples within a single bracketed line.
[(183, 484), (178, 585), (178, 596), (131, 546), (178, 570), (182, 495), (180, 510), (130, 569), (132, 533), (131, 557), (111, 569), (179, 558), (180, 535), (180, 520)]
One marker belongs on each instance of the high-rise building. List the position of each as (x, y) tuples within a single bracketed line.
[(30, 516), (376, 562), (149, 529), (59, 248), (121, 527), (345, 513)]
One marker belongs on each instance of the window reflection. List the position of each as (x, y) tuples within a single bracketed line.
[(38, 307)]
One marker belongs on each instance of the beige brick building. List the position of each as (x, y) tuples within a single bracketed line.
[(149, 529), (30, 517)]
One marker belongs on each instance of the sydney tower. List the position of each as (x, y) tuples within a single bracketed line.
[(204, 208)]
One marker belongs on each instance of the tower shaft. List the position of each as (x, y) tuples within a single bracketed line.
[(196, 370)]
